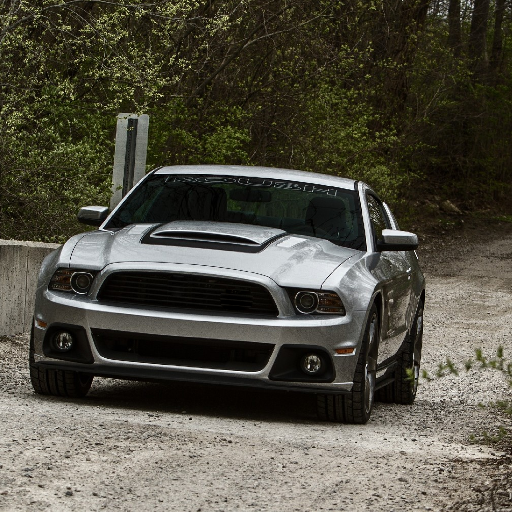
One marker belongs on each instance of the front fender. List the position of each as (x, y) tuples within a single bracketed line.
[(48, 267), (355, 283)]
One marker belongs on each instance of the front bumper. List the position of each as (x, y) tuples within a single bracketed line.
[(323, 333)]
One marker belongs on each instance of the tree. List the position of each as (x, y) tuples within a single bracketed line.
[(477, 46), (454, 27), (496, 61), (364, 88)]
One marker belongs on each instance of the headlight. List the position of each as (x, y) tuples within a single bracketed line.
[(72, 281), (308, 302)]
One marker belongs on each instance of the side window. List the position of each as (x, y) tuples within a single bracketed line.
[(377, 216)]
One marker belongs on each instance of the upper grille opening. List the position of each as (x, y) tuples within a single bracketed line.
[(187, 291)]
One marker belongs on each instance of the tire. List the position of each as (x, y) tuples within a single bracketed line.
[(57, 382), (409, 358), (356, 407)]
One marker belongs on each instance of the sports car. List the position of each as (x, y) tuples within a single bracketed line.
[(235, 275)]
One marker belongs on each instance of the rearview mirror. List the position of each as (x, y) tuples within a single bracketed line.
[(395, 240), (92, 215)]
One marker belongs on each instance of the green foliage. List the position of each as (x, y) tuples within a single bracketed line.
[(83, 64), (425, 375), (486, 438), (504, 218), (221, 139), (50, 169), (409, 375), (353, 89), (499, 363), (460, 124), (338, 138), (446, 368)]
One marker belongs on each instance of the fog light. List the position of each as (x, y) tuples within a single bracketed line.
[(63, 341), (311, 364)]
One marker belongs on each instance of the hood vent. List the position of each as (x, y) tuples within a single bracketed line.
[(213, 235), (205, 237)]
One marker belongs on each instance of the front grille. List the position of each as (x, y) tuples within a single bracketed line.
[(181, 351), (187, 291)]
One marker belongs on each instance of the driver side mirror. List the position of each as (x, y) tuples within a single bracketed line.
[(92, 215), (396, 240)]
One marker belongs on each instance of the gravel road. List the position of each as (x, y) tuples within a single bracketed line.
[(136, 447)]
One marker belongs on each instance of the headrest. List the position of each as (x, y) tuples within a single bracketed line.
[(326, 214), (325, 206)]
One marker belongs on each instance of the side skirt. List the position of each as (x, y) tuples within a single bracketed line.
[(385, 374)]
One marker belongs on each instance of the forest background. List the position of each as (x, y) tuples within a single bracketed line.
[(412, 96)]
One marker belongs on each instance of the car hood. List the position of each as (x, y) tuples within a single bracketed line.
[(290, 260)]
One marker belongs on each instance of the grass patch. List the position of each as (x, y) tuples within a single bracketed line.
[(481, 362)]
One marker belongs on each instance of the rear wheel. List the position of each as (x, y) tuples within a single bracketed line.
[(57, 382), (356, 407), (408, 372)]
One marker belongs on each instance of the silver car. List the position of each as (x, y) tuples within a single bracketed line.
[(246, 276)]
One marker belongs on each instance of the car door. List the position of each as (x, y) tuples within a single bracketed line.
[(393, 271)]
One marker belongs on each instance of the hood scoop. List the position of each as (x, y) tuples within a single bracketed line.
[(213, 235)]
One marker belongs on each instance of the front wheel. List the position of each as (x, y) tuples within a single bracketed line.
[(357, 406), (59, 382)]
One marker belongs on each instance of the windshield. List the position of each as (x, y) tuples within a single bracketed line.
[(320, 211)]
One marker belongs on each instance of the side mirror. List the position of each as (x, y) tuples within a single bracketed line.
[(92, 215), (395, 240)]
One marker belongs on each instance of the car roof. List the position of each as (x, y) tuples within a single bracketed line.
[(260, 172)]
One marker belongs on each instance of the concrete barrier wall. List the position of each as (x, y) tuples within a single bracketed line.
[(19, 266)]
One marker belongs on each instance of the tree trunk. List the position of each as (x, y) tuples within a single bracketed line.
[(497, 43), (396, 44), (477, 38), (454, 28)]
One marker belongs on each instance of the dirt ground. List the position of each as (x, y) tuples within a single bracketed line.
[(137, 446)]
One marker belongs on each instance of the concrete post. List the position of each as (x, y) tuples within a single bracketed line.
[(130, 154)]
